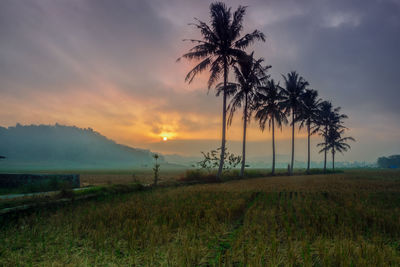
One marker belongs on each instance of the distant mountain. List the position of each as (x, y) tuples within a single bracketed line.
[(65, 147)]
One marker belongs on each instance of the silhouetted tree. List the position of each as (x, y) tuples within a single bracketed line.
[(329, 119), (221, 44), (308, 116), (249, 74), (336, 143), (325, 110), (269, 108), (294, 88), (389, 162)]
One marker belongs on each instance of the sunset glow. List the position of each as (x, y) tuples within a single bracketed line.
[(129, 87)]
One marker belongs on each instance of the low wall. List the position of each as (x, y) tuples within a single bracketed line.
[(11, 180)]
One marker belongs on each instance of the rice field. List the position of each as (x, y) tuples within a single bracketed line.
[(345, 219)]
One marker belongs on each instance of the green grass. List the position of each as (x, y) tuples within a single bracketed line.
[(344, 219)]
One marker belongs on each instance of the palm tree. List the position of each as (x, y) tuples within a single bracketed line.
[(308, 116), (337, 142), (294, 88), (221, 44), (324, 115), (249, 74), (328, 118), (269, 108)]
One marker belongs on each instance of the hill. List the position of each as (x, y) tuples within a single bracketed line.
[(65, 147)]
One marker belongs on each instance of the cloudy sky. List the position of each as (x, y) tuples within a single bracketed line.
[(111, 66)]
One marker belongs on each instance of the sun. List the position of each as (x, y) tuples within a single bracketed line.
[(165, 138)]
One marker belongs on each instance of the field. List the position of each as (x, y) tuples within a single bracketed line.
[(350, 218)]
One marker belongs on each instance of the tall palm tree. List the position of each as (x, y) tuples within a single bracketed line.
[(220, 45), (328, 118), (325, 110), (249, 74), (294, 88), (269, 108), (308, 116)]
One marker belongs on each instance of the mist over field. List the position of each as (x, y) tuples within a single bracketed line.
[(65, 147), (59, 147)]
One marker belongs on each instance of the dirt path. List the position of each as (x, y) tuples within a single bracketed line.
[(225, 242)]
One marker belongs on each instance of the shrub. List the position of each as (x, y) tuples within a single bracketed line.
[(210, 163)]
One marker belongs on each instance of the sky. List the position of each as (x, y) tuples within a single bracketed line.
[(111, 66)]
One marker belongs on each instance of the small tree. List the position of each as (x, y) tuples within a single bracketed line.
[(156, 169), (211, 160)]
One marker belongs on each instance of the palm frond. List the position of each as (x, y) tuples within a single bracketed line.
[(197, 69), (249, 39)]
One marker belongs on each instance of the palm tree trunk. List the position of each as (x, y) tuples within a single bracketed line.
[(333, 160), (292, 161), (222, 157), (325, 150), (244, 138), (308, 156), (273, 146)]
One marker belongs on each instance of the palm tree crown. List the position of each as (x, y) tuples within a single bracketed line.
[(249, 74), (222, 42), (295, 86), (308, 111), (335, 142), (269, 105)]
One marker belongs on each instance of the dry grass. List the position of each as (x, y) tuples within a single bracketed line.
[(342, 219), (144, 176), (349, 181)]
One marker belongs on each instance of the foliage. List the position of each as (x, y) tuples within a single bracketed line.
[(308, 111), (211, 160), (249, 74), (389, 162), (295, 86), (268, 105), (221, 42)]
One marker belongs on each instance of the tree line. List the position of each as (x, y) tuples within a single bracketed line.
[(392, 161), (222, 49)]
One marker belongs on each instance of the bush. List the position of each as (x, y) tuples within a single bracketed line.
[(211, 161)]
